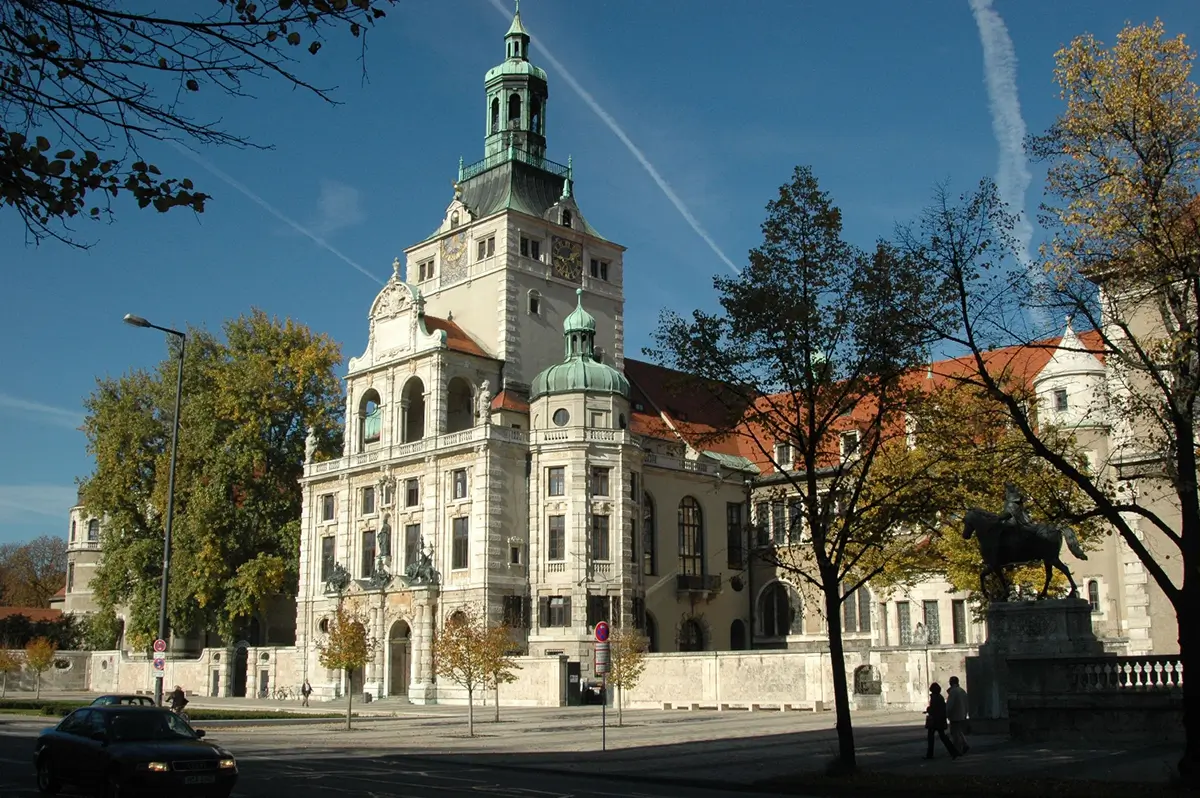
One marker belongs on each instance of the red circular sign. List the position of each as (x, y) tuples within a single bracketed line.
[(602, 632), (160, 645)]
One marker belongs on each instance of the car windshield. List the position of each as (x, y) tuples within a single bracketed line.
[(129, 726)]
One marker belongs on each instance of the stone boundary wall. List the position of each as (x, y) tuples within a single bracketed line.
[(68, 673), (209, 674), (891, 678), (540, 682)]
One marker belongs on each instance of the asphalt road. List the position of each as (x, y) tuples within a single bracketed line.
[(267, 774)]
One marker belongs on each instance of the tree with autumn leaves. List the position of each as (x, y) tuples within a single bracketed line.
[(475, 655), (347, 647), (1123, 216), (247, 401), (627, 660)]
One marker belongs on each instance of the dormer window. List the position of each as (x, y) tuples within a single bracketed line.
[(849, 444), (1061, 403), (783, 455)]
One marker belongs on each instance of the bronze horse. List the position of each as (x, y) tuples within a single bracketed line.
[(1002, 545)]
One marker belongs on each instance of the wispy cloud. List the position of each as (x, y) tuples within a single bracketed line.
[(43, 413), (339, 206), (316, 238), (1000, 74), (607, 119), (35, 503)]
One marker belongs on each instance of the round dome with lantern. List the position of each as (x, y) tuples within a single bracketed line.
[(580, 371)]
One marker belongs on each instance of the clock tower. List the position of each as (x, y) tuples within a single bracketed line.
[(513, 246)]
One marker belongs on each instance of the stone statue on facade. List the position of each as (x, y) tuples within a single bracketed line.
[(383, 539), (310, 444), (1012, 538), (483, 402), (422, 571), (339, 580)]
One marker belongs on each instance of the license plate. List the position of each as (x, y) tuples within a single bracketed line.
[(207, 779)]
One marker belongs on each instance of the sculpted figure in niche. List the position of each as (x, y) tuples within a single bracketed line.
[(483, 402)]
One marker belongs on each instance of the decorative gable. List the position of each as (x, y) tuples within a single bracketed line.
[(397, 326)]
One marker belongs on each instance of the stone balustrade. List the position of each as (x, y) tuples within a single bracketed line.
[(413, 449), (1102, 674)]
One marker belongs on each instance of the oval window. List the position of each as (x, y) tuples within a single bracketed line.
[(561, 417)]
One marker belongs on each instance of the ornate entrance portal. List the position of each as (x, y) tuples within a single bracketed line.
[(399, 658)]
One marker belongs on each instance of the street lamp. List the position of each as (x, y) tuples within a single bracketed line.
[(138, 321)]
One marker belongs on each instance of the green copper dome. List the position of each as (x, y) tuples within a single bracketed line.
[(580, 371)]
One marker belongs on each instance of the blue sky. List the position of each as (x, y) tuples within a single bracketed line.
[(882, 99)]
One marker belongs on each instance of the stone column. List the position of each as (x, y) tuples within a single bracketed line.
[(422, 689)]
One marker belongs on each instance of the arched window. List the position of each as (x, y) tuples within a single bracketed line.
[(93, 530), (780, 611), (737, 636), (648, 535), (460, 409), (456, 617), (412, 404), (651, 634), (72, 531), (691, 635), (514, 110), (691, 537), (535, 302), (370, 417), (1094, 594), (495, 114), (566, 218)]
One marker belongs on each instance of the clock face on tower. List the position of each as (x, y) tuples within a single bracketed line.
[(567, 259)]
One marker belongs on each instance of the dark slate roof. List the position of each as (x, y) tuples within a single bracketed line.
[(517, 186)]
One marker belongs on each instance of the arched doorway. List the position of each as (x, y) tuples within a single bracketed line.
[(399, 658), (460, 406), (737, 635), (412, 403), (240, 664), (651, 634)]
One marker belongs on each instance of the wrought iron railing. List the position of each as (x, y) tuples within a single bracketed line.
[(698, 582), (492, 161), (1104, 674)]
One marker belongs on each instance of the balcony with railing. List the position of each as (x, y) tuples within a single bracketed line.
[(415, 449), (514, 154), (697, 583), (83, 545)]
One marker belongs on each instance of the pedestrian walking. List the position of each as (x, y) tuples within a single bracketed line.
[(305, 692), (956, 713), (935, 722)]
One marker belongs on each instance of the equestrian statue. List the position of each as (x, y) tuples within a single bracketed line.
[(1012, 538)]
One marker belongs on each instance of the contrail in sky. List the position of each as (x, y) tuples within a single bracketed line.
[(271, 209), (605, 117), (1000, 73)]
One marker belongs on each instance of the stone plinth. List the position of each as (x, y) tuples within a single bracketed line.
[(1046, 629)]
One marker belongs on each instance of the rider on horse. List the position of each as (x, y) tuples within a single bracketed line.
[(1015, 515)]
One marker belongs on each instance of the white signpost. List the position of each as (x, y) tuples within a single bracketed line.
[(603, 661)]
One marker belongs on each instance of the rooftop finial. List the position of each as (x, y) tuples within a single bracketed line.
[(396, 268), (578, 297), (518, 7)]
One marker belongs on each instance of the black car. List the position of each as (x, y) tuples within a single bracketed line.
[(128, 750), (124, 700)]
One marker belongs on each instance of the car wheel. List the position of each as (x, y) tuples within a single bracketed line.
[(46, 783)]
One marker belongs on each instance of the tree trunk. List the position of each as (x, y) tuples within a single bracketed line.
[(38, 687), (349, 695), (620, 703), (470, 710), (497, 699), (1188, 609), (841, 694), (4, 685)]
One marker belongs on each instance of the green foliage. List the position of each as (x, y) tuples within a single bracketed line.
[(101, 630), (246, 405), (17, 630), (80, 85), (347, 647)]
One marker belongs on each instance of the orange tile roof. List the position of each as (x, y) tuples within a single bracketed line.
[(507, 400), (32, 613), (456, 338)]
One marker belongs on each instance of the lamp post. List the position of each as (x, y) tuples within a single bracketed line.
[(138, 321)]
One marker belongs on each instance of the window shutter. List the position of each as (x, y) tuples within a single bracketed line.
[(543, 612), (567, 609)]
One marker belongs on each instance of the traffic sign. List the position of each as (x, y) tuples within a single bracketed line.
[(601, 632), (160, 645), (602, 658), (160, 664)]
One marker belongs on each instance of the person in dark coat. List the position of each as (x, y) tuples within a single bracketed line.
[(935, 721)]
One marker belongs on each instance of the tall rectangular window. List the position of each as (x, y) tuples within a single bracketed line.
[(368, 501), (328, 507), (734, 526), (691, 537), (460, 483), (958, 611), (70, 576), (556, 481), (600, 542), (933, 622), (779, 529), (762, 523), (368, 553), (412, 544), (388, 497), (850, 613), (635, 488), (72, 531), (904, 621), (883, 623), (460, 542), (795, 520), (1061, 403), (556, 538), (555, 611), (600, 481), (327, 558), (412, 492)]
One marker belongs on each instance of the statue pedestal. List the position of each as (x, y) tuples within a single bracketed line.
[(1049, 629)]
